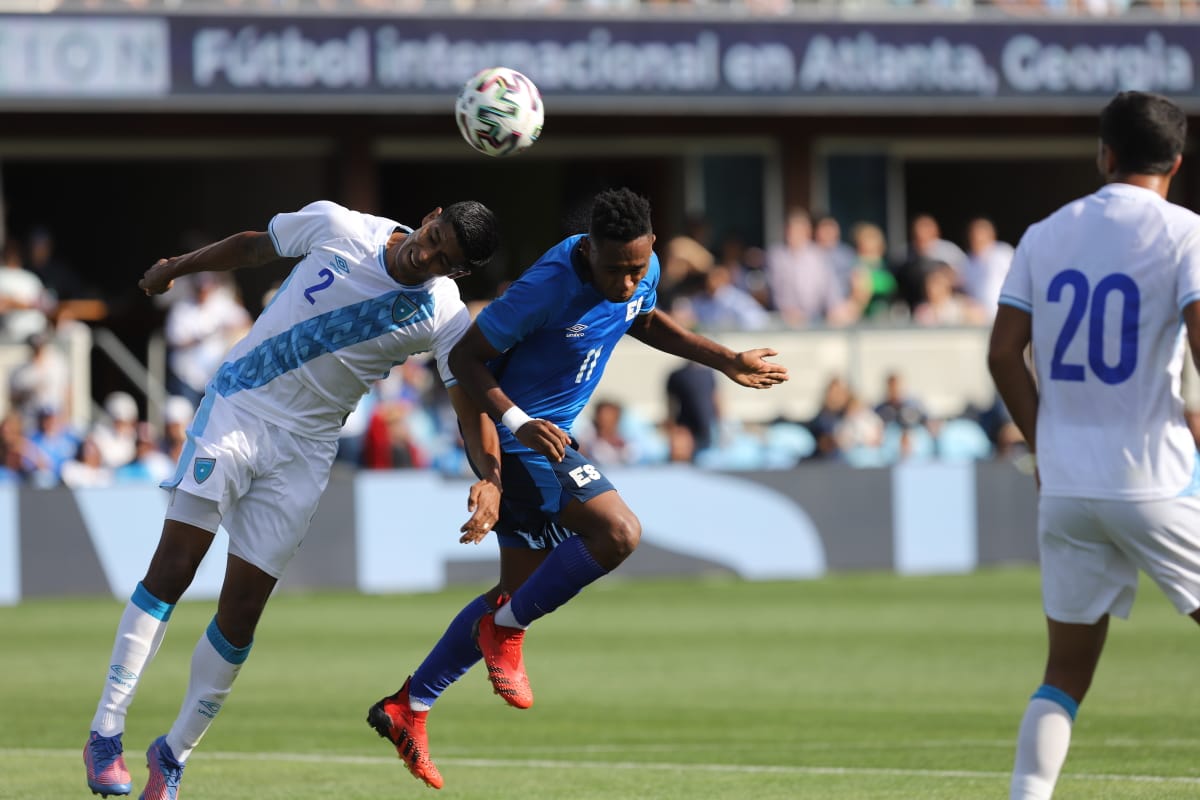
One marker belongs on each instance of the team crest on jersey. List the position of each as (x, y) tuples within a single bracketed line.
[(340, 266), (576, 330), (404, 309), (202, 468), (633, 308)]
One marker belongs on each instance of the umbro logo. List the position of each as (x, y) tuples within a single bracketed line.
[(576, 330), (339, 265), (122, 676), (208, 708)]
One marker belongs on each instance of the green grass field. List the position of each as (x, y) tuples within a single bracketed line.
[(860, 687)]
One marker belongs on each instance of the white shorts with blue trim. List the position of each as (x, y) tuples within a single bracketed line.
[(266, 481), (1092, 550)]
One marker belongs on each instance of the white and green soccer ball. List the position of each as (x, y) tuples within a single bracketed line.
[(500, 112)]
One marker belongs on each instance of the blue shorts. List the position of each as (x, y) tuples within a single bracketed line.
[(536, 490)]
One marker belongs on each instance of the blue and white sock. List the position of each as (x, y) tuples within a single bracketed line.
[(450, 658), (215, 665), (139, 634), (563, 574), (1042, 743)]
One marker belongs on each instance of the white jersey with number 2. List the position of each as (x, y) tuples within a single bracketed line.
[(1105, 279), (338, 324)]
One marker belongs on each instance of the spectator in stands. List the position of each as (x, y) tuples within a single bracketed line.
[(68, 295), (177, 416), (873, 287), (22, 298), (897, 406), (200, 330), (942, 305), (803, 287), (87, 469), (55, 443), (748, 267), (720, 305), (686, 260), (150, 464), (116, 436), (859, 428), (19, 458), (824, 423), (692, 404), (827, 235), (43, 380), (987, 264), (927, 252), (604, 443), (389, 443)]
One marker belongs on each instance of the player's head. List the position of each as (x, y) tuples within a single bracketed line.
[(451, 241), (1141, 134), (619, 244)]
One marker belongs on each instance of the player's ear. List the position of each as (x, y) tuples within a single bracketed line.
[(432, 215), (1175, 167), (585, 248)]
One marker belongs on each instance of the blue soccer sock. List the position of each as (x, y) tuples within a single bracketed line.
[(567, 569), (451, 657)]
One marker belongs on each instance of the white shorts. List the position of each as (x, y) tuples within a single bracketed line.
[(266, 481), (1091, 551)]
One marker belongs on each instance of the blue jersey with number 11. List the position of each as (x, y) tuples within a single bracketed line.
[(555, 333)]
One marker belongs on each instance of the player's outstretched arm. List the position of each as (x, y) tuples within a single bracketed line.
[(246, 249), (468, 362), (483, 445), (750, 368), (1011, 334)]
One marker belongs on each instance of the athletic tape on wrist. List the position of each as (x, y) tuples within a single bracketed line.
[(514, 418)]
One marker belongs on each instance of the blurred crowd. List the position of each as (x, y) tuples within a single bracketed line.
[(815, 276)]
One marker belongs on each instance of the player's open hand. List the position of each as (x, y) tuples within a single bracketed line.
[(484, 504), (752, 369), (157, 279), (544, 437)]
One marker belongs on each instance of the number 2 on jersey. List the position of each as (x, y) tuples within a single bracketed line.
[(1093, 305), (316, 287)]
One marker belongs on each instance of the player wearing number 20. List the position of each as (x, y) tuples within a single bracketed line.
[(365, 293), (1106, 289), (532, 359)]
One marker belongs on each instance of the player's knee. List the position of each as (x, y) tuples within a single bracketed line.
[(625, 534)]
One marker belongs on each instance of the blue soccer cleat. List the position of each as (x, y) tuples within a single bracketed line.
[(106, 772), (165, 772)]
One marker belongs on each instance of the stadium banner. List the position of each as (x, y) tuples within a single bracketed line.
[(595, 66), (397, 531)]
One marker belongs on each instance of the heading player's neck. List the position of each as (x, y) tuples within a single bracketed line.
[(1160, 184)]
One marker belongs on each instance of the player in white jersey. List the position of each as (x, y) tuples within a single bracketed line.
[(1105, 290), (365, 294)]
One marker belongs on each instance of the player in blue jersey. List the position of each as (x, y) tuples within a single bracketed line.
[(364, 295), (532, 359)]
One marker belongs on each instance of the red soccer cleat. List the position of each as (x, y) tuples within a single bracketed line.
[(501, 648), (393, 719)]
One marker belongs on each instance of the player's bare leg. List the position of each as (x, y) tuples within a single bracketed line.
[(1045, 734)]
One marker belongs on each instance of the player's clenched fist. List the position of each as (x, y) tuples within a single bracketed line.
[(544, 437), (157, 279)]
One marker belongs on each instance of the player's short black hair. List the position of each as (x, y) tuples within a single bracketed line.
[(1146, 132), (476, 230), (620, 215)]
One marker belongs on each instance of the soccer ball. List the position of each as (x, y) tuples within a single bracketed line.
[(499, 112)]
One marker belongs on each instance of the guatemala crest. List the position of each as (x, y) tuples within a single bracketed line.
[(202, 468)]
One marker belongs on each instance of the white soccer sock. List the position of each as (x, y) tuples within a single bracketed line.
[(504, 618), (1042, 744), (215, 665), (140, 632)]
